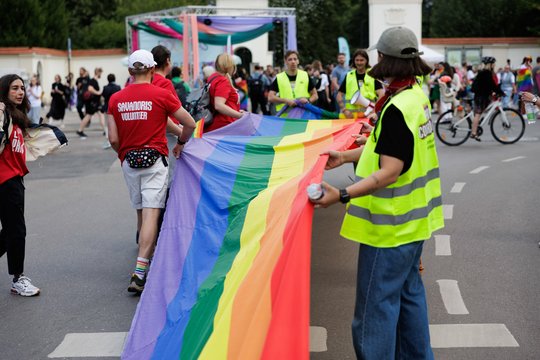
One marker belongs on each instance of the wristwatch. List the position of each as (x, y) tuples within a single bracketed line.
[(344, 196), (534, 100), (181, 142)]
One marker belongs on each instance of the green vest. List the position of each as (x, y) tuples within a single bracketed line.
[(300, 88), (410, 209), (367, 90)]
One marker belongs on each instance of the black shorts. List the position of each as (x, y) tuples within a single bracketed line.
[(91, 107), (481, 102)]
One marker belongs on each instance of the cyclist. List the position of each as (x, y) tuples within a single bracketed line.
[(483, 87)]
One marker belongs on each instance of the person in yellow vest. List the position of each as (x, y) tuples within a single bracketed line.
[(291, 85), (393, 207), (358, 79)]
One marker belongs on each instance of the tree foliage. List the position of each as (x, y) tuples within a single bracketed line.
[(319, 23), (101, 24), (493, 18), (33, 23)]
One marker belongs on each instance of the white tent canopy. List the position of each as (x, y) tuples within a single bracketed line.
[(431, 56)]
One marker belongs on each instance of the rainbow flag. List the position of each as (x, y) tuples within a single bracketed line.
[(524, 79), (230, 275)]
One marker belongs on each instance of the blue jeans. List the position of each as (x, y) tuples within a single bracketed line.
[(507, 98), (390, 317)]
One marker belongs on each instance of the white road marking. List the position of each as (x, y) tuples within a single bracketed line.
[(458, 187), (448, 211), (317, 339), (451, 296), (514, 158), (471, 335), (111, 344), (479, 169), (105, 344), (442, 245)]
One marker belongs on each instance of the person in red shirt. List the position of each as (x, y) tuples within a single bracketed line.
[(223, 96), (14, 106), (162, 57), (138, 118)]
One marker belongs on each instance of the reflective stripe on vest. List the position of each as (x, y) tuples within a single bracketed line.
[(286, 91), (410, 209), (367, 91)]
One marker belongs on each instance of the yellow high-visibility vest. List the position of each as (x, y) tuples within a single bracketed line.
[(367, 90), (410, 209), (300, 88)]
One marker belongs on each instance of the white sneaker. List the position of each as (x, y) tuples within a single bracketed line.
[(24, 287)]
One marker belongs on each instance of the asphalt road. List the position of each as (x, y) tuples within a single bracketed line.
[(81, 249)]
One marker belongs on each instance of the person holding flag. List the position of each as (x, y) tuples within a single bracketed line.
[(393, 208), (292, 85), (356, 80)]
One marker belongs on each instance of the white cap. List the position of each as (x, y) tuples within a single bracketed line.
[(144, 57)]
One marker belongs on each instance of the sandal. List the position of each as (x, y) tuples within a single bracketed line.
[(475, 137)]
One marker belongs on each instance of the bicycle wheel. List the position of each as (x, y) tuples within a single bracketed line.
[(507, 126), (452, 130)]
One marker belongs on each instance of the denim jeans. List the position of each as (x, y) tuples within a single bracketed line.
[(390, 318)]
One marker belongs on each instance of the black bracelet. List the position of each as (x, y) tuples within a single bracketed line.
[(181, 142)]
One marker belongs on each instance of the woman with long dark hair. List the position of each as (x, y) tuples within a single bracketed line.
[(14, 106)]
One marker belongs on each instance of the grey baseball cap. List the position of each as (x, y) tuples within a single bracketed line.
[(398, 42)]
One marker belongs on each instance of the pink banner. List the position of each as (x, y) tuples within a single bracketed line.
[(195, 45), (185, 65), (134, 39), (164, 30)]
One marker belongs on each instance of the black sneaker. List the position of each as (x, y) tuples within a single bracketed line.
[(81, 134), (136, 284)]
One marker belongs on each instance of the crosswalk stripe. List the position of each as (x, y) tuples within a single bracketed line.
[(317, 339), (448, 211), (442, 245), (105, 344), (111, 344), (471, 335), (514, 158), (479, 169), (458, 187), (451, 296)]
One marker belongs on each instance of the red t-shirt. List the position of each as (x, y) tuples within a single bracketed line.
[(162, 82), (140, 112), (221, 87), (13, 158)]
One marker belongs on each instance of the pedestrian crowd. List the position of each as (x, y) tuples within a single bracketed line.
[(396, 166)]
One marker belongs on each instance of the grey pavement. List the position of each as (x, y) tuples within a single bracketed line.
[(81, 251)]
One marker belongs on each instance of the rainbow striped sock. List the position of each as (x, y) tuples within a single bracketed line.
[(140, 268)]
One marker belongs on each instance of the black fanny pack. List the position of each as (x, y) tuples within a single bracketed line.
[(143, 158)]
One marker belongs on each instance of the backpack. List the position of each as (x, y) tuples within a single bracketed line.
[(198, 105), (255, 85), (181, 92), (6, 128)]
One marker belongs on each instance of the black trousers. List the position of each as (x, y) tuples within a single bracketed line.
[(80, 105), (13, 233), (259, 100)]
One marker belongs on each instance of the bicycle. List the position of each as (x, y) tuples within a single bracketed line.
[(507, 125)]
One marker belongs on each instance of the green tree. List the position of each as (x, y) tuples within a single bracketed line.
[(21, 23), (494, 18), (319, 23)]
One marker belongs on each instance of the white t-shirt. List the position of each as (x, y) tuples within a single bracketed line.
[(34, 96), (324, 82)]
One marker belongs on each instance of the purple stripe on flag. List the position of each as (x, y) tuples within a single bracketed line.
[(174, 242)]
